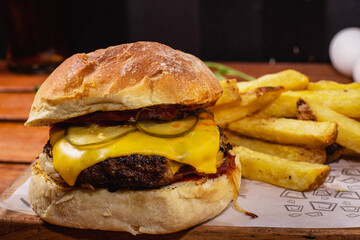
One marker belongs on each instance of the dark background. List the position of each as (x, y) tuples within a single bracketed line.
[(220, 30)]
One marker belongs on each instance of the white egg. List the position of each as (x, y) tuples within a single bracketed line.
[(344, 50), (356, 71)]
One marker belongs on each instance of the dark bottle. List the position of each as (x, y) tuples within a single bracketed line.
[(34, 32)]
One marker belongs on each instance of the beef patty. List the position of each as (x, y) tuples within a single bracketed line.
[(142, 171)]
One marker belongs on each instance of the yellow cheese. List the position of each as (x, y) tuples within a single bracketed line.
[(197, 148)]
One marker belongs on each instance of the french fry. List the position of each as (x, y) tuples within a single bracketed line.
[(230, 92), (293, 153), (333, 152), (283, 106), (253, 96), (325, 84), (287, 131), (289, 79), (255, 100), (350, 153), (343, 101), (348, 129), (282, 151), (304, 112), (298, 176)]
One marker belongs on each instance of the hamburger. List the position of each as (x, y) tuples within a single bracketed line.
[(131, 145)]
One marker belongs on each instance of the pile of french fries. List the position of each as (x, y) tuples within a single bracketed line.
[(285, 129)]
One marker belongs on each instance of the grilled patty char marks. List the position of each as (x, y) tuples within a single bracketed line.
[(128, 171), (141, 171)]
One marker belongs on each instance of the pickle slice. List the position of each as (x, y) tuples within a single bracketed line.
[(168, 129), (94, 134)]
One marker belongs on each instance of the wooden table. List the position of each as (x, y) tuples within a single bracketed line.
[(20, 145)]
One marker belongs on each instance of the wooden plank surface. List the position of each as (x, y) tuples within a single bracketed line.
[(9, 172), (315, 71), (19, 143), (25, 228), (17, 225), (11, 82), (15, 106)]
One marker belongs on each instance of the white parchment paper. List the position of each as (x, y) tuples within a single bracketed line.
[(335, 204), (19, 200)]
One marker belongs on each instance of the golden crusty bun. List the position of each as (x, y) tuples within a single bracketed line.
[(123, 77), (157, 211), (128, 77)]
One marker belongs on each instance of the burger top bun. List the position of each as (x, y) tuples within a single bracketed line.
[(123, 77)]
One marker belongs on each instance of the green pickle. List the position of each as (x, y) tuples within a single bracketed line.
[(94, 134), (82, 136), (168, 129)]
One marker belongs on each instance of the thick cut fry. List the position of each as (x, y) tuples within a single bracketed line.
[(289, 79), (325, 84), (346, 102), (283, 106), (253, 96), (287, 131), (350, 153), (293, 153), (298, 176), (255, 100), (230, 92), (333, 152), (348, 129), (304, 112)]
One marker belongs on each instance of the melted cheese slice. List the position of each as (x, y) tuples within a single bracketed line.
[(197, 148)]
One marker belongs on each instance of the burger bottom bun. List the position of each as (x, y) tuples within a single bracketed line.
[(157, 211)]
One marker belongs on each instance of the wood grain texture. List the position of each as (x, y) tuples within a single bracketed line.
[(15, 106), (21, 226), (9, 172), (12, 82), (30, 227), (21, 144), (315, 71)]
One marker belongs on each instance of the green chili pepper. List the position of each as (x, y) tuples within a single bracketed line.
[(222, 70)]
